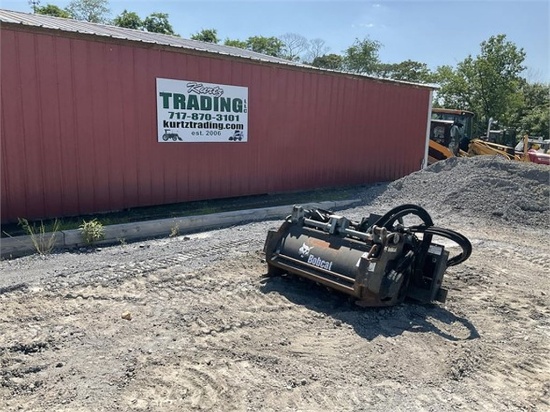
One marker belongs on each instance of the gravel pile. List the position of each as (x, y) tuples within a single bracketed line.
[(482, 187)]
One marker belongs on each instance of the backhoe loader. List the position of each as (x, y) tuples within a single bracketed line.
[(450, 133)]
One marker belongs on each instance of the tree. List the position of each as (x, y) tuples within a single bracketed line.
[(329, 61), (235, 43), (316, 48), (129, 20), (452, 93), (52, 10), (489, 84), (534, 116), (294, 45), (158, 23), (496, 73), (362, 56), (207, 35), (95, 11), (271, 46), (34, 4), (408, 70), (154, 23)]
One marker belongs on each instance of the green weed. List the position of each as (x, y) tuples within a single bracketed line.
[(92, 231), (174, 231)]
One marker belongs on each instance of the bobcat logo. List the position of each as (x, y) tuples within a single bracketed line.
[(305, 250)]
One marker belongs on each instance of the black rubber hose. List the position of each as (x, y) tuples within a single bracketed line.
[(456, 237), (428, 229), (389, 219), (394, 214)]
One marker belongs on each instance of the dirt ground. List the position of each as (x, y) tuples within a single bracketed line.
[(193, 323)]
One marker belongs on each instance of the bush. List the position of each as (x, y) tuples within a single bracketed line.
[(92, 231)]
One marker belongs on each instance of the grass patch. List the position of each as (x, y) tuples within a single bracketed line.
[(42, 236)]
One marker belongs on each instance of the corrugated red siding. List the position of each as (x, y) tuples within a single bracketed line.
[(79, 128)]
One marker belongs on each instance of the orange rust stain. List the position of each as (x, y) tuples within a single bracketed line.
[(318, 243)]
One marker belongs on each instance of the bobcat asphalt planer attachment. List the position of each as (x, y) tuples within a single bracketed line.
[(379, 260)]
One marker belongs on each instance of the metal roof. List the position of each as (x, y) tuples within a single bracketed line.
[(115, 32)]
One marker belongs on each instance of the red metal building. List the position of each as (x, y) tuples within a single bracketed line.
[(79, 122)]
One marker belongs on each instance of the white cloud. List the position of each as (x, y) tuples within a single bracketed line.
[(363, 25)]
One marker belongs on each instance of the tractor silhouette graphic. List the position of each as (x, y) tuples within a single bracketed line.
[(169, 135), (237, 136)]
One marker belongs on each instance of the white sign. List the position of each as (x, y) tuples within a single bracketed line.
[(191, 111)]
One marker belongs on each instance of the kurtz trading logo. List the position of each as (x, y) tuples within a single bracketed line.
[(205, 99), (198, 88), (194, 111)]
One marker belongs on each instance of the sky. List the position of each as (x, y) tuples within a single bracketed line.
[(435, 32)]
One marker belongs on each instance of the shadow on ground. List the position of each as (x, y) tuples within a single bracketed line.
[(370, 323)]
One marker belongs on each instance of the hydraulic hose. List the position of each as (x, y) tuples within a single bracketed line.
[(394, 214), (427, 229), (456, 237)]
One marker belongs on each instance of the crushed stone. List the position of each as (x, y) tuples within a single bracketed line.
[(482, 187)]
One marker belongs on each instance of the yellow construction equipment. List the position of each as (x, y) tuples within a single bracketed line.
[(479, 147), (451, 135)]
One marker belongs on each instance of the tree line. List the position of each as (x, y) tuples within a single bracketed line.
[(490, 84)]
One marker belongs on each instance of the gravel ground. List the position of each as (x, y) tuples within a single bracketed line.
[(192, 323)]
